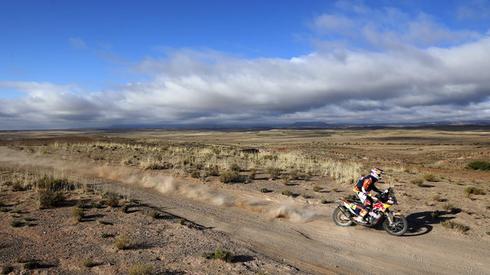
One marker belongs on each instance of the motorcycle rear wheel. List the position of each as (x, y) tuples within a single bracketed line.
[(398, 227), (340, 219)]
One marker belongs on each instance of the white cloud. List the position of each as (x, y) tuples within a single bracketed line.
[(387, 27), (409, 85), (332, 23)]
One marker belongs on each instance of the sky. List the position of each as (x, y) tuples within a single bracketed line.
[(97, 64)]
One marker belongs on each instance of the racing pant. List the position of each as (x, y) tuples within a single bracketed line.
[(367, 202)]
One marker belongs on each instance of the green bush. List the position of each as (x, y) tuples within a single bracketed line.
[(265, 190), (50, 199), (479, 165)]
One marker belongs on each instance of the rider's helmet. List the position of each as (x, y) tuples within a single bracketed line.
[(376, 173)]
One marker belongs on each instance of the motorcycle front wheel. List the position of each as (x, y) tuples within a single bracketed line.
[(398, 227), (340, 218)]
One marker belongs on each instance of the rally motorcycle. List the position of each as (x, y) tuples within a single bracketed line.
[(394, 223)]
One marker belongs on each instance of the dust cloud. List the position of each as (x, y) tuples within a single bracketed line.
[(168, 185)]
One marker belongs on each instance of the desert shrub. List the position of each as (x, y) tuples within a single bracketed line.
[(77, 213), (430, 178), (265, 190), (325, 201), (252, 174), (235, 167), (32, 264), (7, 269), (54, 184), (105, 235), (418, 182), (158, 166), (195, 173), (449, 207), (456, 226), (317, 188), (220, 254), (140, 269), (123, 242), (17, 223), (153, 214), (212, 170), (89, 263), (438, 198), (289, 193), (470, 190), (50, 199), (111, 199), (479, 165), (18, 187), (285, 181), (231, 177), (294, 174), (274, 172), (103, 222)]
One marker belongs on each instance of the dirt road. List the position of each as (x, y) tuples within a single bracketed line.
[(321, 247), (313, 245)]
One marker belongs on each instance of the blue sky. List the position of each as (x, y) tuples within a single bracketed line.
[(89, 48)]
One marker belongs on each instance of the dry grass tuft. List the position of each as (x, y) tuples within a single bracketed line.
[(479, 165), (140, 269), (122, 242), (470, 190), (220, 254), (50, 199), (455, 226), (431, 178)]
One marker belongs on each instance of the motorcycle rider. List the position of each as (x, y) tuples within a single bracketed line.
[(362, 189)]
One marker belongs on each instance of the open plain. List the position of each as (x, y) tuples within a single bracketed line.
[(239, 202)]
